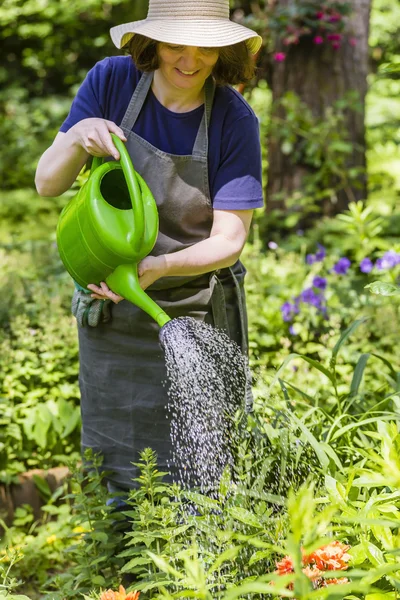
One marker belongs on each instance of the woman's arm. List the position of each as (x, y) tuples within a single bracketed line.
[(222, 249), (60, 165)]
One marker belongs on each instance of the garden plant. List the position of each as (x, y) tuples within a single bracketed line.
[(310, 507)]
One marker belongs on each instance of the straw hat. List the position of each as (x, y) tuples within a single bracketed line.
[(203, 23)]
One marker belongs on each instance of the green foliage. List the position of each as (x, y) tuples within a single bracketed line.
[(40, 417), (47, 48), (32, 550), (94, 555), (322, 145)]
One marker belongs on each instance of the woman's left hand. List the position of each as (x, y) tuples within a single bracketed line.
[(150, 269)]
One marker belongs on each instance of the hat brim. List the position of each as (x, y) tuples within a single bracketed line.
[(204, 33)]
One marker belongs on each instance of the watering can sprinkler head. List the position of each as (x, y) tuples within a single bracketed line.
[(108, 228)]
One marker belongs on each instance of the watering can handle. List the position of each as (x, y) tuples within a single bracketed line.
[(135, 192)]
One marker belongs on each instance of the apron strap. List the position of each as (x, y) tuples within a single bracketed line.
[(136, 103), (200, 148)]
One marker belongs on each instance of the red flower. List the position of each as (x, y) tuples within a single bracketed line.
[(320, 15)]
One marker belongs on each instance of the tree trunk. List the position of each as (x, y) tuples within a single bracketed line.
[(320, 75)]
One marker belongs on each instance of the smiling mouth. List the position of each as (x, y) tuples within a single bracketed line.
[(187, 73)]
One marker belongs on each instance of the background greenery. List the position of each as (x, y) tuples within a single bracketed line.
[(327, 390)]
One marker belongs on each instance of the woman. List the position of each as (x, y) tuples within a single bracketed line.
[(196, 143)]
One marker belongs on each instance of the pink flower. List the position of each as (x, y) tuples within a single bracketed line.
[(334, 37), (335, 18), (353, 41), (318, 40), (320, 15), (336, 45), (279, 56)]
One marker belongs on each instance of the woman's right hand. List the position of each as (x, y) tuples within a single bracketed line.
[(94, 136)]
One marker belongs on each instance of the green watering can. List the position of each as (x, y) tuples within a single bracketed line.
[(108, 228)]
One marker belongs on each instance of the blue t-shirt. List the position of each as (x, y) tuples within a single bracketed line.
[(234, 142)]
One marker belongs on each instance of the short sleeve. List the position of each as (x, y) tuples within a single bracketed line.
[(90, 99), (238, 181)]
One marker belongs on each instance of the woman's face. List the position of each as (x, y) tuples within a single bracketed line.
[(186, 67)]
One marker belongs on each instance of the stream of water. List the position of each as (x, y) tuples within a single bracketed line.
[(207, 384)]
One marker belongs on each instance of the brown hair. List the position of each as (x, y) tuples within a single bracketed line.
[(235, 63)]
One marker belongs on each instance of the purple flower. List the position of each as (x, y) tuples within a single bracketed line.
[(287, 310), (321, 253), (319, 282), (310, 297), (272, 245), (292, 330), (317, 257), (389, 260), (366, 265), (342, 266)]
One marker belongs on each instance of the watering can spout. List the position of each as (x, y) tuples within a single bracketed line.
[(125, 282)]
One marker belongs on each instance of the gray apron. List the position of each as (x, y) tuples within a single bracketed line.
[(122, 370)]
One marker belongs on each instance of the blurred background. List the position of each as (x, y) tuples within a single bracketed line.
[(327, 94)]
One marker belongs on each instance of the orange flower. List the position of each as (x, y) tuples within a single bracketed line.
[(108, 595), (312, 573), (120, 595), (284, 566), (332, 557), (334, 581)]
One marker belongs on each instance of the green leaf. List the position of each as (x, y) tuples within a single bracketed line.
[(260, 555), (163, 565), (139, 560), (44, 419), (381, 596), (358, 425), (98, 580), (383, 288), (99, 536), (358, 374), (345, 335), (244, 516), (312, 362), (202, 501), (381, 571), (42, 486), (229, 554), (375, 555), (319, 451)]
